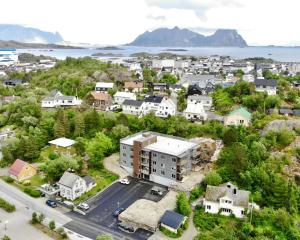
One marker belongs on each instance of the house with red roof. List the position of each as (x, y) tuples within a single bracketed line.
[(21, 170)]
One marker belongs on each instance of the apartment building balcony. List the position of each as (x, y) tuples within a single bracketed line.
[(145, 162)]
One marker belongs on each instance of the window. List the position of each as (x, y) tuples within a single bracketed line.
[(242, 121), (173, 176), (124, 154), (243, 212), (153, 170), (124, 162), (124, 147), (154, 154), (173, 168), (162, 172), (226, 210), (208, 207), (162, 165), (154, 162)]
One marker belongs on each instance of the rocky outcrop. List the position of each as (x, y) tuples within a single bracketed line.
[(278, 125)]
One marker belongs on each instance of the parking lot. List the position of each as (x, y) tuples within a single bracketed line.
[(117, 195)]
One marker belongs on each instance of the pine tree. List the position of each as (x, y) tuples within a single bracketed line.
[(62, 125), (79, 126)]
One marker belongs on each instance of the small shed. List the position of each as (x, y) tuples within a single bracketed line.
[(62, 145), (172, 221)]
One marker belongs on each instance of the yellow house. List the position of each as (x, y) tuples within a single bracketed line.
[(21, 170)]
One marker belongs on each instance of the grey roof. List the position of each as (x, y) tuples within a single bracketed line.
[(154, 99), (89, 180), (285, 111), (172, 219), (296, 112), (200, 97), (198, 79), (65, 98), (265, 82), (48, 99), (68, 179), (214, 117), (134, 103), (239, 197), (175, 86)]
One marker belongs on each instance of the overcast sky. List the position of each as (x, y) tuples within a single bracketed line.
[(260, 22)]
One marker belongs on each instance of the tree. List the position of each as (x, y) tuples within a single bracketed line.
[(28, 148), (62, 125), (118, 132), (182, 205), (169, 78), (92, 122), (6, 237), (212, 178), (41, 218), (231, 136), (97, 148), (79, 125), (52, 225), (34, 218), (54, 169)]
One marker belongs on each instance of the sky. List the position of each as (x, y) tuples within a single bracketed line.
[(113, 22)]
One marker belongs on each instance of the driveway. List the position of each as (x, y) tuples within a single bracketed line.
[(112, 164), (103, 206)]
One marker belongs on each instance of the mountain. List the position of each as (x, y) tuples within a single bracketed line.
[(11, 32), (176, 37), (18, 45)]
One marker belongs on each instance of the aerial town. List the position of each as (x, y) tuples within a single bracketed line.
[(150, 147), (150, 120)]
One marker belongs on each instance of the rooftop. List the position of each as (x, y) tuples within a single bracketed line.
[(68, 179), (134, 103), (62, 142), (125, 95), (104, 85), (165, 144), (265, 82), (172, 219), (154, 99), (241, 111)]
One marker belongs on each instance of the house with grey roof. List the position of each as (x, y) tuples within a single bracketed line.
[(172, 221), (227, 199), (266, 85), (132, 107), (72, 186), (56, 99)]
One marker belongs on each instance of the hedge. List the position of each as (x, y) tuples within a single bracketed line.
[(32, 192), (7, 206)]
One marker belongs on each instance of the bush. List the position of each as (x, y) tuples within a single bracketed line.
[(196, 193), (212, 178), (6, 238), (62, 232), (104, 237), (7, 206), (32, 192), (34, 218), (170, 234), (41, 218), (26, 183), (52, 156), (182, 205), (52, 225), (8, 179)]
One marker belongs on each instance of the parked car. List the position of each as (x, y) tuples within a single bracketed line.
[(156, 191), (124, 181), (51, 203), (114, 108), (68, 204), (84, 206), (126, 228), (118, 211)]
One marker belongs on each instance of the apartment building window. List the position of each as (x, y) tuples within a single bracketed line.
[(154, 162), (243, 212), (124, 154), (131, 149), (173, 176), (131, 164), (154, 154), (226, 210), (208, 207), (162, 172), (154, 170), (162, 165), (124, 162), (173, 168), (174, 159), (124, 147)]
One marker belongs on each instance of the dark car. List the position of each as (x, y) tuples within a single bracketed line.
[(126, 228), (51, 203), (118, 211), (156, 191)]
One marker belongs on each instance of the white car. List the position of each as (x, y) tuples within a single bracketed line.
[(84, 206), (124, 181)]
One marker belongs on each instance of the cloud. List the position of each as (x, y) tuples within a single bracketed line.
[(199, 6), (156, 18)]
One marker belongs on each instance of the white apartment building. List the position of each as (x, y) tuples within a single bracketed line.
[(163, 63)]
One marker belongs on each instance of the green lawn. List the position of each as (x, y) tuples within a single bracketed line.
[(103, 178)]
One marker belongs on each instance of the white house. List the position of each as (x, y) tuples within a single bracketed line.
[(132, 107), (161, 106), (103, 86), (206, 101), (120, 97), (227, 199), (50, 102), (195, 112), (248, 78), (163, 63), (71, 186), (266, 86)]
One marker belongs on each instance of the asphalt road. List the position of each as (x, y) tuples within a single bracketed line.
[(100, 216)]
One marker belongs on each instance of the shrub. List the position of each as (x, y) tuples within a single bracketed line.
[(41, 218), (212, 178), (170, 234), (52, 156), (52, 225), (26, 183), (104, 237), (6, 238), (7, 206), (34, 218), (62, 232), (32, 192), (8, 179), (182, 205)]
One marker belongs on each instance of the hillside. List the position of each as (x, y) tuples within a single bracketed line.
[(28, 35), (176, 37), (20, 45)]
